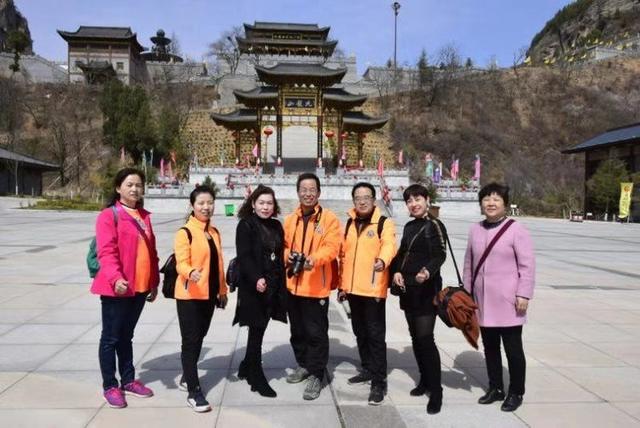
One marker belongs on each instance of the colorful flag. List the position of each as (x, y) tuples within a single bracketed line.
[(344, 152), (401, 157), (161, 167), (437, 175), (254, 152), (122, 155), (144, 160), (429, 168), (380, 167), (476, 174), (452, 170), (625, 199)]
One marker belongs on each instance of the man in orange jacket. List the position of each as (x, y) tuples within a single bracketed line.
[(367, 251), (312, 238)]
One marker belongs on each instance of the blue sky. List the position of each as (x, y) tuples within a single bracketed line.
[(479, 28)]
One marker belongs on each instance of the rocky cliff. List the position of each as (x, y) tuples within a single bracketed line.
[(12, 20)]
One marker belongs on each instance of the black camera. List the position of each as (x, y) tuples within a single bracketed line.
[(297, 263)]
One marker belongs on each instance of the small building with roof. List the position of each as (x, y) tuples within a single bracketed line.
[(621, 143), (96, 54), (29, 173)]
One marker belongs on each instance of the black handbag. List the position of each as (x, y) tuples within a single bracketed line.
[(171, 273)]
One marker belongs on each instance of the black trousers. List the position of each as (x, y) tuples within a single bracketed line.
[(309, 323), (194, 317), (369, 326), (512, 340), (421, 327), (119, 318), (253, 354)]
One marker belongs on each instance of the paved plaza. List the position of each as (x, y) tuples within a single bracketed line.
[(582, 341)]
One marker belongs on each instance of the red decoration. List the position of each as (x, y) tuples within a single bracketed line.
[(267, 131), (344, 135), (329, 133)]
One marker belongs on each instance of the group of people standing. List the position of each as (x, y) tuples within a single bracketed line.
[(287, 272)]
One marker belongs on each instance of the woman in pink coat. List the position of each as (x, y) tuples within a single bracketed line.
[(502, 289), (128, 277)]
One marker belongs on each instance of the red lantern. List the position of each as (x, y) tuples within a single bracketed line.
[(267, 131), (329, 133)]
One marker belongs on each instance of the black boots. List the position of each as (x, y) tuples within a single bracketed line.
[(435, 402), (420, 389), (257, 380), (492, 395)]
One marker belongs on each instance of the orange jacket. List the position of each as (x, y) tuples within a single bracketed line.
[(196, 256), (359, 253), (321, 242)]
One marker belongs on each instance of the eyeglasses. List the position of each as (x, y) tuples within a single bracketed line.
[(308, 191), (362, 198)]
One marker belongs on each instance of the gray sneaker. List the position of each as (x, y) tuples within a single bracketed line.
[(298, 375), (313, 388)]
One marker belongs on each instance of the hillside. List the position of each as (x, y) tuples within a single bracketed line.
[(12, 20), (518, 121), (586, 23)]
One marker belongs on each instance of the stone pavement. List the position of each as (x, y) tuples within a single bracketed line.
[(581, 341)]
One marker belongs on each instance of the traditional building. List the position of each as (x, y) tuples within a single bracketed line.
[(96, 54), (301, 101), (619, 143), (27, 170)]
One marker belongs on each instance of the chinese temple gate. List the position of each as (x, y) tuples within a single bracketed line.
[(295, 95)]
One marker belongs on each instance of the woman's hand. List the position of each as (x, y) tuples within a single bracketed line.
[(195, 275), (398, 279), (422, 276), (378, 266), (521, 305), (152, 295), (261, 285), (121, 286), (222, 301)]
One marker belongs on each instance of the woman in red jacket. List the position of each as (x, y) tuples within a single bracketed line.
[(128, 277)]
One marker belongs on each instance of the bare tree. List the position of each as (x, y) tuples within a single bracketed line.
[(225, 49)]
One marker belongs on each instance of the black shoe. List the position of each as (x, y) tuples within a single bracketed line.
[(243, 370), (362, 377), (197, 401), (511, 403), (492, 395), (376, 396), (258, 381), (435, 402), (419, 390)]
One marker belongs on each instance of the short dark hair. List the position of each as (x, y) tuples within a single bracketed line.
[(199, 190), (491, 188), (415, 190), (363, 184), (247, 207), (307, 176), (117, 182)]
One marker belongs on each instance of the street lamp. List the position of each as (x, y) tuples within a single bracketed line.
[(396, 7)]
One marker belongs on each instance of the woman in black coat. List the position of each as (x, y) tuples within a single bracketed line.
[(262, 289), (416, 277)]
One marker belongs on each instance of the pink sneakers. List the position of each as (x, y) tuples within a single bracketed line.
[(115, 398), (138, 389)]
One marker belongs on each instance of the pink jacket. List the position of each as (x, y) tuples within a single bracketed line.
[(117, 247), (508, 271)]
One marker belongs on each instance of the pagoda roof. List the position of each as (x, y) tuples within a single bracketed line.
[(340, 99), (258, 97), (301, 73), (96, 67), (357, 121), (237, 120), (285, 27), (101, 33), (265, 46)]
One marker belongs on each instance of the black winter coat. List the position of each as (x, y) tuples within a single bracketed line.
[(260, 252), (428, 250)]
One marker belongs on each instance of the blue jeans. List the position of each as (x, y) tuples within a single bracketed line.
[(119, 318)]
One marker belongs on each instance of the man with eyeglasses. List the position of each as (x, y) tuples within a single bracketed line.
[(368, 248), (312, 241)]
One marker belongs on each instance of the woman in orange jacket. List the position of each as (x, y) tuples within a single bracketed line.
[(200, 286)]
